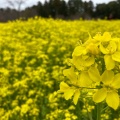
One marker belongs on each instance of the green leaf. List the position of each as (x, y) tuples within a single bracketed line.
[(109, 62), (76, 96), (116, 56), (100, 95), (94, 74), (112, 99)]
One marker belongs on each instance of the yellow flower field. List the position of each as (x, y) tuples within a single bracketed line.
[(33, 55)]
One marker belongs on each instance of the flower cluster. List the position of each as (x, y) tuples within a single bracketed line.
[(95, 66)]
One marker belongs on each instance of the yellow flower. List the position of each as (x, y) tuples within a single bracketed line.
[(79, 50), (98, 38), (94, 74), (77, 81), (111, 54), (71, 75), (93, 49), (69, 92), (83, 61), (111, 83)]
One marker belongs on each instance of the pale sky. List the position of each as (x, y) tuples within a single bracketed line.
[(4, 4)]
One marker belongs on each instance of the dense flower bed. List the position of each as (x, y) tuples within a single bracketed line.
[(33, 55)]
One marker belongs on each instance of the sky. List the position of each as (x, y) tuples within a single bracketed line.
[(29, 3)]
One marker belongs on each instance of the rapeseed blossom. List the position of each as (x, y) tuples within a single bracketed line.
[(96, 63), (109, 90), (32, 54), (77, 83), (111, 53)]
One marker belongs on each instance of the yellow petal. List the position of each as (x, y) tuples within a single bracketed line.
[(97, 37), (116, 81), (79, 50), (63, 87), (118, 43), (112, 99), (94, 74), (103, 49), (89, 61), (116, 56), (76, 96), (106, 36), (112, 47), (78, 62), (107, 77), (84, 80), (70, 74), (109, 62), (93, 49), (69, 93), (100, 95)]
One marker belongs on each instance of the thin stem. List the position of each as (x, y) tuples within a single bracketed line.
[(104, 109), (89, 113), (99, 111)]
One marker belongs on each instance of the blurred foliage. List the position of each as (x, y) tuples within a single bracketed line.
[(70, 10)]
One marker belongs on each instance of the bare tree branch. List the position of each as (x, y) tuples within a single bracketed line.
[(16, 3), (10, 3)]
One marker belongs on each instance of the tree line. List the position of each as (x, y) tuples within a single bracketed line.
[(73, 9)]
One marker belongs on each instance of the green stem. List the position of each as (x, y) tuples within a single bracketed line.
[(99, 111), (90, 116), (104, 109), (89, 113)]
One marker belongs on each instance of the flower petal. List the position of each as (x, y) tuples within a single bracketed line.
[(103, 49), (69, 93), (107, 77), (93, 49), (76, 96), (116, 56), (106, 36), (112, 99), (89, 61), (79, 50), (94, 74), (63, 87), (112, 46), (109, 62), (70, 74), (84, 80), (116, 81), (78, 62), (100, 95)]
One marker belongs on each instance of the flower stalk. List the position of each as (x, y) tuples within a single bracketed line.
[(99, 111)]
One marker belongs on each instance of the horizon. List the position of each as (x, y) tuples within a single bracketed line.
[(30, 3)]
